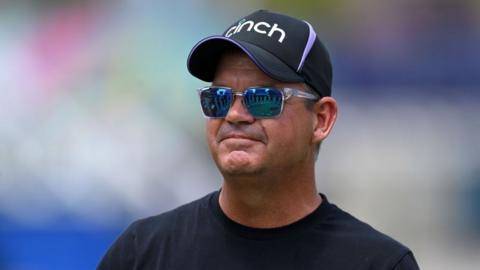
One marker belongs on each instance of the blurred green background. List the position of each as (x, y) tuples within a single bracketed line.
[(100, 122)]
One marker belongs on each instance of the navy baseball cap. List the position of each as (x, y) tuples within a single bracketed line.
[(285, 48)]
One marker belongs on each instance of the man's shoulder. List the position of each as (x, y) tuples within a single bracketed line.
[(347, 225), (173, 219), (154, 234), (357, 236)]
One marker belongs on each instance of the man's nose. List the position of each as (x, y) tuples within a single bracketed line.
[(238, 113)]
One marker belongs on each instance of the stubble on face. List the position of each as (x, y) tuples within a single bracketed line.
[(240, 144), (237, 148)]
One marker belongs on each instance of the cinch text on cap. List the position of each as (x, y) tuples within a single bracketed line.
[(260, 27)]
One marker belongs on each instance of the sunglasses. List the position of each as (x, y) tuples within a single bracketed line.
[(260, 102)]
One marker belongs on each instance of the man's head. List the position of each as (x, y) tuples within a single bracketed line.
[(279, 122)]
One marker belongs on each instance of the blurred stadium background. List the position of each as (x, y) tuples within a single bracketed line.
[(100, 123)]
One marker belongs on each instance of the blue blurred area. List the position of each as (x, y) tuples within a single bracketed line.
[(55, 247), (100, 123)]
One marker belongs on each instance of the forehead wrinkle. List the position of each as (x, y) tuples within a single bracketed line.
[(237, 68)]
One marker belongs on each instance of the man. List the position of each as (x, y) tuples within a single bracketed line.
[(268, 108)]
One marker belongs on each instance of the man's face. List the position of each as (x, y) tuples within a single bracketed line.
[(243, 145)]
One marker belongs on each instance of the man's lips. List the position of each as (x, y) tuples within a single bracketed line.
[(238, 136), (246, 132)]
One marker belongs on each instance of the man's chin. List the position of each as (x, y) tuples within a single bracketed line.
[(238, 163)]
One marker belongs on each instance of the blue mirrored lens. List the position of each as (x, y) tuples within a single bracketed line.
[(216, 101), (263, 102)]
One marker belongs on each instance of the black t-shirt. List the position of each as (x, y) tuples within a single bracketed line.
[(199, 235)]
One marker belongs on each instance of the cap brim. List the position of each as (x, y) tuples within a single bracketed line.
[(204, 57)]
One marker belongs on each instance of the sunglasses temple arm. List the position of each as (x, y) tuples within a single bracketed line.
[(302, 94)]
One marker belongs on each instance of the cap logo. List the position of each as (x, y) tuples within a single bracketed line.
[(263, 28)]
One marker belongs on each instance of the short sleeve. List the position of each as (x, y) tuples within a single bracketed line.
[(121, 255)]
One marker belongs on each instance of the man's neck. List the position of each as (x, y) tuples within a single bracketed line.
[(263, 202)]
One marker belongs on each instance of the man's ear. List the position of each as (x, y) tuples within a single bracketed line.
[(325, 115)]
